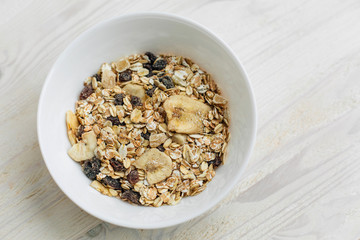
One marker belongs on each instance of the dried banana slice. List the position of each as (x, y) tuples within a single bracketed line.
[(135, 90), (108, 77), (185, 115), (84, 149), (72, 125), (157, 165)]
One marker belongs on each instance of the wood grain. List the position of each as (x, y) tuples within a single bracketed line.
[(303, 61)]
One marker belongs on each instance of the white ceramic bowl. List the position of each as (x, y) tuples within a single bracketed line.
[(125, 35)]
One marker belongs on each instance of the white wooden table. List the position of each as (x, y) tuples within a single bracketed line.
[(303, 59)]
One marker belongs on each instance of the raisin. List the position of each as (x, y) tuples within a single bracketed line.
[(97, 77), (119, 99), (133, 177), (114, 120), (150, 74), (146, 135), (167, 81), (91, 168), (86, 92), (80, 131), (151, 57), (131, 196), (125, 76), (159, 64), (117, 166), (147, 66), (216, 162), (150, 92), (161, 148), (135, 101), (111, 182)]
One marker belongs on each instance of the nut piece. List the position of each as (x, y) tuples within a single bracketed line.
[(72, 124), (157, 165), (179, 138), (135, 90), (122, 65), (108, 77), (185, 115), (84, 149), (157, 139)]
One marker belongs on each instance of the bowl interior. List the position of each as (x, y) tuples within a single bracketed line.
[(109, 41)]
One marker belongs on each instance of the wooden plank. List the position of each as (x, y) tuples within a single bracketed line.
[(303, 61)]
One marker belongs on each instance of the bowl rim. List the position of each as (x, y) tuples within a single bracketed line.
[(230, 53)]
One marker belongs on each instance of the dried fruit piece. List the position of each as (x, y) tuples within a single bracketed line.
[(86, 92), (147, 66), (80, 131), (151, 91), (151, 57), (159, 64), (216, 162), (157, 165), (150, 74), (125, 76), (91, 168), (133, 177), (185, 115), (135, 90), (161, 148), (135, 101), (72, 124), (119, 99), (146, 135), (117, 165), (111, 182), (122, 65), (97, 77), (157, 139), (179, 138), (114, 120), (131, 196), (166, 80), (84, 149), (108, 77)]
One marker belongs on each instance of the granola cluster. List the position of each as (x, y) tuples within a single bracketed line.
[(149, 129)]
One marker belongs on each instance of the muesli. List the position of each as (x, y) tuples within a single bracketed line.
[(149, 129)]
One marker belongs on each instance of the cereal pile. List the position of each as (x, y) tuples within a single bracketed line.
[(149, 129)]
